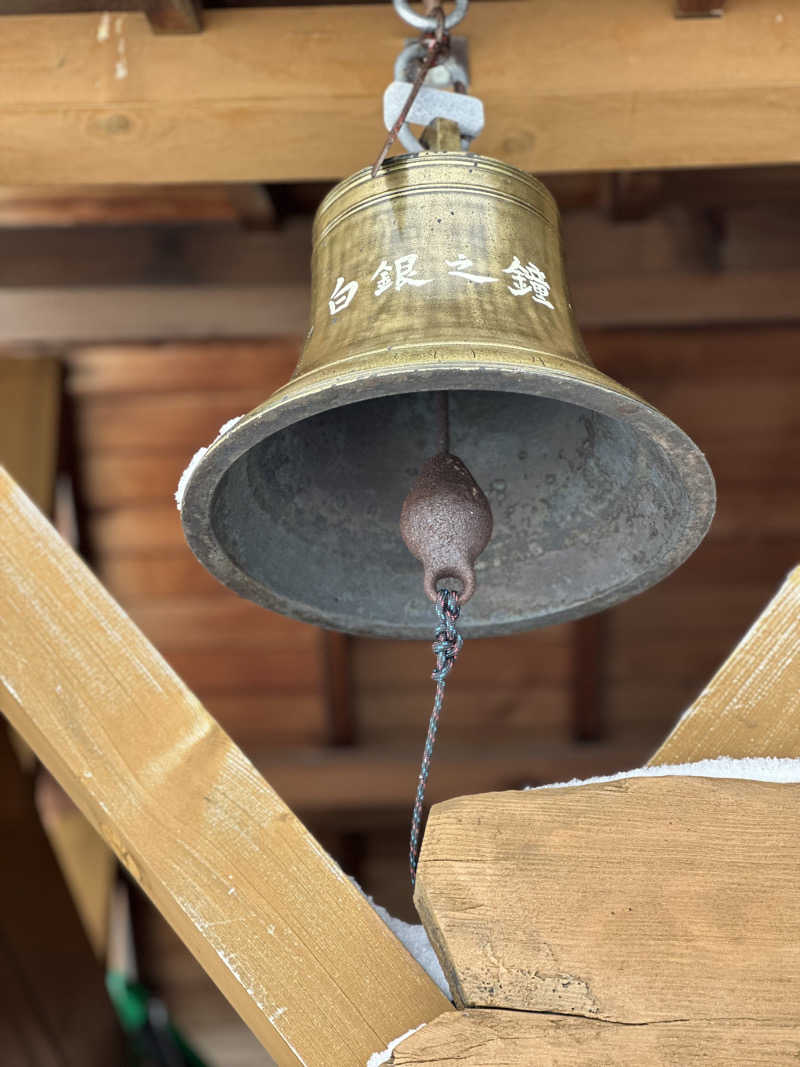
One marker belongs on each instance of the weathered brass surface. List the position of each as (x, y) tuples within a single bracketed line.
[(445, 273)]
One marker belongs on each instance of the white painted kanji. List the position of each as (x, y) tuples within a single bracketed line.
[(528, 279), (342, 295), (402, 272), (461, 266), (385, 277)]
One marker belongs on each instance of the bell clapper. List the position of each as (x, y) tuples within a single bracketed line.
[(446, 520)]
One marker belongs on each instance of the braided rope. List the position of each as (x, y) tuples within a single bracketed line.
[(446, 646)]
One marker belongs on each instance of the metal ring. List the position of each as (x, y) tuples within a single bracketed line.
[(428, 23), (456, 72)]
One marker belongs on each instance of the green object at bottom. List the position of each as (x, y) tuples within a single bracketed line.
[(134, 1004)]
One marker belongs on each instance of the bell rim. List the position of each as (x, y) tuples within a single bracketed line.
[(587, 387)]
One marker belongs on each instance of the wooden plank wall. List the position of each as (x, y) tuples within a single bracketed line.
[(142, 411), (735, 392)]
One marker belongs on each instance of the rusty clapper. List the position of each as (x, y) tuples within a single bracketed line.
[(446, 521)]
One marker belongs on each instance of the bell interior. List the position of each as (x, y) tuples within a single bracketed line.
[(583, 503)]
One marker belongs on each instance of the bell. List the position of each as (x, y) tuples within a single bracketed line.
[(445, 273)]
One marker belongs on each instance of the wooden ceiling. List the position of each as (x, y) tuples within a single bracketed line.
[(293, 93)]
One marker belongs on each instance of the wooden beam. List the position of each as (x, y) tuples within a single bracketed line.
[(118, 205), (320, 780), (751, 707), (617, 86), (292, 944), (157, 313), (482, 1038), (205, 253), (637, 901)]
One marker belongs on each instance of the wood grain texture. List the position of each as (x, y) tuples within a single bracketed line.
[(480, 1038), (166, 253), (184, 368), (272, 919), (74, 205), (636, 901), (751, 707), (151, 313), (617, 86)]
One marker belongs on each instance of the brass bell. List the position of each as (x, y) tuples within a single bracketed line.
[(445, 273)]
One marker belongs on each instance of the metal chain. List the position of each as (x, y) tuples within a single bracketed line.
[(446, 646), (427, 20), (437, 44)]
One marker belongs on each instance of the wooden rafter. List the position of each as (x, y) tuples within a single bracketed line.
[(292, 944), (285, 94)]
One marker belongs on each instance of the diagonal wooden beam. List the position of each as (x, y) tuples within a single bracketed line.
[(281, 94), (751, 707), (292, 944)]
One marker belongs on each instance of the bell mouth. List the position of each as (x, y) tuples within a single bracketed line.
[(596, 496)]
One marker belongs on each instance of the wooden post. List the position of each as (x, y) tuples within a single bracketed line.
[(293, 945)]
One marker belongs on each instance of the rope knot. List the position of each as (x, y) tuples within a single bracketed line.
[(448, 641)]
